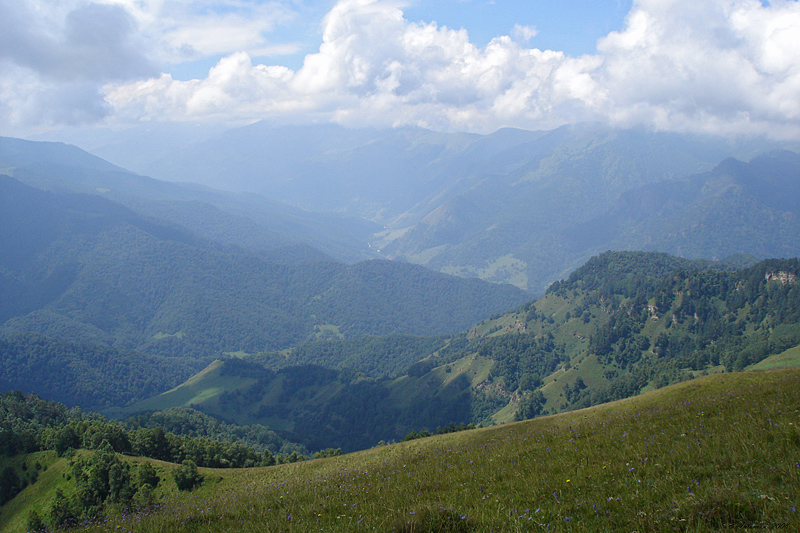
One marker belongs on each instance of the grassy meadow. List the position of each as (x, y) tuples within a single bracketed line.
[(721, 451)]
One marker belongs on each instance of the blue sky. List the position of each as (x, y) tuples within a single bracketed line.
[(726, 67), (572, 26)]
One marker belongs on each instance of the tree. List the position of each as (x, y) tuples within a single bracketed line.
[(9, 485), (62, 439), (146, 475), (100, 479), (61, 514), (187, 477), (530, 406)]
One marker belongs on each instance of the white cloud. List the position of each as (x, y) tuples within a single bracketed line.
[(375, 67), (93, 42), (722, 66), (192, 29), (717, 66), (53, 62), (523, 33)]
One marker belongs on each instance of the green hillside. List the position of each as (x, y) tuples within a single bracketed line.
[(321, 407), (625, 323), (81, 269), (719, 452)]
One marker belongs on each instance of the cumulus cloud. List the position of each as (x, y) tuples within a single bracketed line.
[(719, 66), (57, 55), (712, 65), (53, 67), (375, 67)]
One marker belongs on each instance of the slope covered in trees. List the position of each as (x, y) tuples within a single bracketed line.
[(624, 323), (268, 228), (81, 268), (512, 206), (609, 190)]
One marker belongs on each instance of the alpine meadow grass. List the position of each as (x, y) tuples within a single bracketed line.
[(718, 452)]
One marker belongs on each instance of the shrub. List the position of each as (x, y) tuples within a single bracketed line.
[(187, 477)]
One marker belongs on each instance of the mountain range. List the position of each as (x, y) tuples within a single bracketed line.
[(82, 268), (524, 207), (110, 275), (250, 297)]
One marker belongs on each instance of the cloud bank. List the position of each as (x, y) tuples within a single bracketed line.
[(53, 70), (716, 66)]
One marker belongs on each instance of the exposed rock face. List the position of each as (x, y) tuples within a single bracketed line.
[(494, 388), (782, 277)]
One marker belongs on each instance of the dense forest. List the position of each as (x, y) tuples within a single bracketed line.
[(128, 306), (374, 355), (91, 375), (651, 320), (624, 323), (29, 424)]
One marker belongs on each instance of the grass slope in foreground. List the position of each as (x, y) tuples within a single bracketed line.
[(721, 451)]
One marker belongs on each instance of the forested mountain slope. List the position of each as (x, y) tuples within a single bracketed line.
[(274, 230), (80, 267), (512, 206), (623, 323), (738, 207), (617, 192)]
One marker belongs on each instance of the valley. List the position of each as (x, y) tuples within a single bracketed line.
[(418, 301), (399, 266)]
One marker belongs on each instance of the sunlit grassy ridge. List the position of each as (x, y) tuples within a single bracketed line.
[(721, 451)]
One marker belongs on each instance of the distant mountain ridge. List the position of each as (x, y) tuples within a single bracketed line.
[(247, 220), (545, 221), (525, 207), (78, 267)]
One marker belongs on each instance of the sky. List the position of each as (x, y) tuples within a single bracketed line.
[(728, 67)]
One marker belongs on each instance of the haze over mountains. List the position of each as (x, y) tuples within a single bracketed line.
[(80, 267), (112, 274), (270, 319), (514, 206)]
